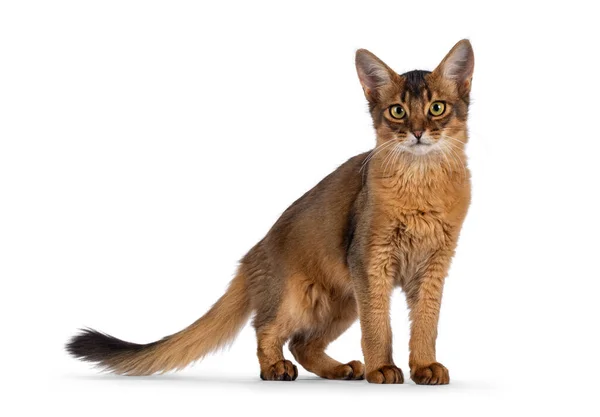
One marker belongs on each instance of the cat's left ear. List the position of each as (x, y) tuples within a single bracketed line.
[(458, 66)]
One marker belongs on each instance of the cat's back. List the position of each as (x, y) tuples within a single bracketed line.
[(319, 220)]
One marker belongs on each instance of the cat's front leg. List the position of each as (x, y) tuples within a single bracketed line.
[(373, 274), (424, 300)]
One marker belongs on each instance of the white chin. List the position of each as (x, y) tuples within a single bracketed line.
[(420, 149)]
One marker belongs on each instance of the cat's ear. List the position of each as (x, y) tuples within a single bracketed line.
[(373, 74), (458, 66)]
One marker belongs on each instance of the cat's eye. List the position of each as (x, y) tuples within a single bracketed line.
[(437, 108), (397, 111)]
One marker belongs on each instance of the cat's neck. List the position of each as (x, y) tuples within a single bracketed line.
[(419, 181)]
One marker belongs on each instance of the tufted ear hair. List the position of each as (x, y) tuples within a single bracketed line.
[(458, 66), (373, 74)]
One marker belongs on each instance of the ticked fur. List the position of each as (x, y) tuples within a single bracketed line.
[(387, 218)]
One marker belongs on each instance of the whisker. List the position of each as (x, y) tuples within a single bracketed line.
[(374, 152), (447, 160), (457, 158), (453, 138), (387, 159), (397, 156)]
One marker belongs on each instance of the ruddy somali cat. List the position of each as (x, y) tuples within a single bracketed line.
[(387, 218)]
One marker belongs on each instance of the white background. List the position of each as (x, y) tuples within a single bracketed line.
[(146, 146)]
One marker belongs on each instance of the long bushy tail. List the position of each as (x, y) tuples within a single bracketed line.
[(216, 328)]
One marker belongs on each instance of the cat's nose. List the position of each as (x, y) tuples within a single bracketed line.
[(417, 133)]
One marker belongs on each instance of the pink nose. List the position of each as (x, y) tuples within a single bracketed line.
[(418, 133)]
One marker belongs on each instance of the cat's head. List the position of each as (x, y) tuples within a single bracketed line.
[(420, 111)]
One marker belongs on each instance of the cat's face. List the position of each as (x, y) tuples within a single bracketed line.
[(419, 112)]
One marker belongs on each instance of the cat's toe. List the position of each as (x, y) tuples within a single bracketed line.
[(349, 371), (389, 374), (433, 374), (280, 371)]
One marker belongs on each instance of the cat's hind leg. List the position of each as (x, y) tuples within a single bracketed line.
[(312, 317), (308, 347), (274, 328), (273, 366)]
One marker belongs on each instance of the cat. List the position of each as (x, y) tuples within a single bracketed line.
[(386, 218)]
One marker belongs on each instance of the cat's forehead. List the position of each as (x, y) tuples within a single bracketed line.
[(415, 85), (420, 87)]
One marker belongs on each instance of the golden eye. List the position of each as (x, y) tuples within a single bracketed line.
[(437, 108), (397, 111)]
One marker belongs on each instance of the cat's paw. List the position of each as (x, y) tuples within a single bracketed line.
[(280, 371), (350, 371), (434, 374), (389, 374)]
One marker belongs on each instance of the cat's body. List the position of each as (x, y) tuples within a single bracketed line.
[(382, 219)]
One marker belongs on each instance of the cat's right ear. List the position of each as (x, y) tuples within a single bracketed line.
[(373, 74)]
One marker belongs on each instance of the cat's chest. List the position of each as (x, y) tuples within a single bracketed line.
[(417, 230), (417, 235)]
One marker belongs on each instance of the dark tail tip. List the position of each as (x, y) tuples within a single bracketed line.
[(93, 346)]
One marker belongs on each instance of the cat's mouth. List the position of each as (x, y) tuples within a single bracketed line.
[(420, 148)]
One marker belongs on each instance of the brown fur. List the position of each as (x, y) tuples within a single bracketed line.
[(383, 219)]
